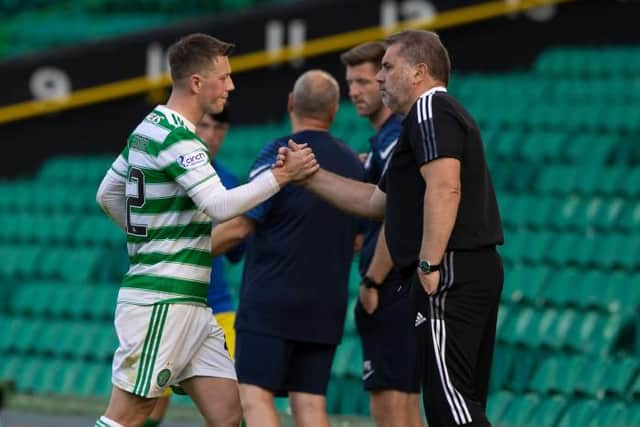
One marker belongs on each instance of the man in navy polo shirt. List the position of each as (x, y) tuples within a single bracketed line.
[(294, 294)]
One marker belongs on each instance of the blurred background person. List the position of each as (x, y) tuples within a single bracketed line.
[(294, 291)]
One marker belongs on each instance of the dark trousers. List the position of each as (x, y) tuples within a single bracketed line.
[(456, 329)]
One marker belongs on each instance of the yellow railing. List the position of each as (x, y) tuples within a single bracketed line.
[(255, 60)]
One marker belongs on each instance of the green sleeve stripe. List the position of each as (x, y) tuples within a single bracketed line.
[(185, 256), (118, 173), (170, 204), (200, 182), (173, 232), (166, 284), (174, 170)]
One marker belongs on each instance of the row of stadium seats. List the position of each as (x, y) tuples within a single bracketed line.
[(544, 286), (518, 88), (541, 148), (612, 62), (60, 228), (35, 196), (46, 376), (519, 370), (36, 25), (55, 300), (578, 117), (72, 340), (191, 7), (570, 213), (570, 249), (30, 262), (565, 330), (531, 410)]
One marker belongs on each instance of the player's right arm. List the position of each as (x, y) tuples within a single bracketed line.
[(188, 163), (111, 193), (355, 197)]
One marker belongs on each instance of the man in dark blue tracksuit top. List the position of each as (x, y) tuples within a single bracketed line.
[(389, 348), (294, 294)]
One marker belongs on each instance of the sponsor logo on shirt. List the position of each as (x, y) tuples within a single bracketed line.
[(193, 160)]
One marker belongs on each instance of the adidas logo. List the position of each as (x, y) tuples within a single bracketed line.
[(420, 319)]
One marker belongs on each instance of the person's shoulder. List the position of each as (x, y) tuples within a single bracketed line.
[(391, 130), (346, 150), (267, 155), (270, 148)]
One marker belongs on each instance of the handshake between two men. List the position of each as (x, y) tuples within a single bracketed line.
[(294, 164)]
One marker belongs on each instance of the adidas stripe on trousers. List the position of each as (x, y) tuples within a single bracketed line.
[(456, 328)]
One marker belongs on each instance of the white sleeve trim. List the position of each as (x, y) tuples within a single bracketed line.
[(222, 204), (111, 197)]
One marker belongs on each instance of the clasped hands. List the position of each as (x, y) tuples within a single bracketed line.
[(297, 161)]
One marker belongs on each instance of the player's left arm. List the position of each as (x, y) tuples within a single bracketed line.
[(111, 195), (229, 234), (439, 148)]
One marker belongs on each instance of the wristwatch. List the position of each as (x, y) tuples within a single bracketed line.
[(426, 267), (369, 283)]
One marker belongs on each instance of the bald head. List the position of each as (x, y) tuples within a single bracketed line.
[(315, 95)]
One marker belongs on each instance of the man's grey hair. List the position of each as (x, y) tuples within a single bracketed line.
[(423, 47), (315, 95)]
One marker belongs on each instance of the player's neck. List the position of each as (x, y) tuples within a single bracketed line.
[(185, 106), (299, 124), (378, 118)]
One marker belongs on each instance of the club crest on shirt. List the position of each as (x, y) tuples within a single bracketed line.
[(193, 160)]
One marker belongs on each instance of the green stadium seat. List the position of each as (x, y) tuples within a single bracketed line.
[(344, 353), (350, 321), (530, 281), (525, 363), (543, 147), (610, 414), (633, 415), (634, 389), (560, 288), (558, 374), (26, 341), (497, 404), (89, 378), (594, 332), (557, 180), (102, 387), (51, 374), (52, 332), (356, 362), (282, 405), (547, 413), (9, 365), (580, 413), (29, 371), (502, 367), (620, 376), (519, 411), (541, 211), (556, 334)]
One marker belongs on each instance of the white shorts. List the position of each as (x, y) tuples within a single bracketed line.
[(164, 344)]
